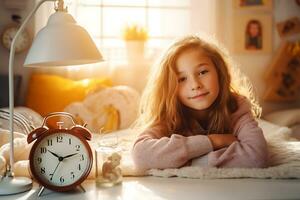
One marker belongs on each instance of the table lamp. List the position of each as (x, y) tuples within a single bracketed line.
[(60, 43)]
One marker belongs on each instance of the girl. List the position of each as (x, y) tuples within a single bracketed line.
[(191, 111)]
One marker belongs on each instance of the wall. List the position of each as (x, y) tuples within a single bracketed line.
[(255, 65), (34, 26), (5, 19), (204, 14)]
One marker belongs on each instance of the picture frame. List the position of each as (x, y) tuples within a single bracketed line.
[(252, 33), (264, 5)]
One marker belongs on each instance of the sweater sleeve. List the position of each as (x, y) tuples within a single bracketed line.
[(153, 150), (250, 151)]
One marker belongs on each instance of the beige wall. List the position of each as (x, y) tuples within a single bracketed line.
[(204, 15), (5, 19), (255, 65)]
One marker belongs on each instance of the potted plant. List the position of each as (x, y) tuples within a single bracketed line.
[(135, 37)]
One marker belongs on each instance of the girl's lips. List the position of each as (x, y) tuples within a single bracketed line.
[(199, 96)]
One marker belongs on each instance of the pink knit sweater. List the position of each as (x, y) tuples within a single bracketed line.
[(153, 149)]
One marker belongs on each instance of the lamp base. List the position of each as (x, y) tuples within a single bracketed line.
[(14, 185)]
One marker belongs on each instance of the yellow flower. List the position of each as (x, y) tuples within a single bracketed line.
[(135, 32)]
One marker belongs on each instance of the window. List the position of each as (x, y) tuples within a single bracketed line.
[(106, 19)]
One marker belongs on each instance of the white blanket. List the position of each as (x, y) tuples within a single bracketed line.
[(284, 152)]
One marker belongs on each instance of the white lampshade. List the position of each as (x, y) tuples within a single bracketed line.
[(62, 42)]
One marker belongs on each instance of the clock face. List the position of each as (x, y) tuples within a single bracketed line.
[(22, 43), (60, 160)]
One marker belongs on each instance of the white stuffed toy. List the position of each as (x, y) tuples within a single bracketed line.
[(21, 149), (111, 108), (4, 146)]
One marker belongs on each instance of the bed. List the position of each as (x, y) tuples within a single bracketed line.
[(280, 182)]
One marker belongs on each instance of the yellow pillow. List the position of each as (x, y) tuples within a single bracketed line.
[(51, 93)]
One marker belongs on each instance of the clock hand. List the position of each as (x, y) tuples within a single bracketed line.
[(54, 170), (54, 154), (60, 159), (70, 155)]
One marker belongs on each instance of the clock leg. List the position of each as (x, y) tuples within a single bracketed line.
[(41, 191), (82, 188)]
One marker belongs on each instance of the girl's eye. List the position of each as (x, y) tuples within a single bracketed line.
[(203, 72), (181, 79)]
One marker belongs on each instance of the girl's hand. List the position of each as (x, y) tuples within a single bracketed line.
[(221, 140)]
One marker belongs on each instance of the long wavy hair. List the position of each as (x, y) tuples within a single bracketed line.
[(159, 101)]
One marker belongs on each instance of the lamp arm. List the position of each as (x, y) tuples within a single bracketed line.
[(11, 83)]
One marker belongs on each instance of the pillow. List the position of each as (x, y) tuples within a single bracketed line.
[(51, 93), (284, 117)]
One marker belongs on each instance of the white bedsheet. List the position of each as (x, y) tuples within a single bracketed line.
[(284, 157)]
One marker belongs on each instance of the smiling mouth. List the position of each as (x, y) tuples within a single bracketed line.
[(199, 95)]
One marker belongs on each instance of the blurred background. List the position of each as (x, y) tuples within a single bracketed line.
[(131, 34)]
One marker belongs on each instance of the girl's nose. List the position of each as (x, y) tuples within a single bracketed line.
[(196, 84), (196, 88)]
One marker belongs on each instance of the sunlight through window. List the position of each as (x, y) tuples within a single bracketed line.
[(105, 20)]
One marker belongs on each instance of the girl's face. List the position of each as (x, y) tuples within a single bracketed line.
[(254, 29), (198, 85)]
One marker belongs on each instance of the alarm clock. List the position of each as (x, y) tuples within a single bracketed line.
[(23, 41), (60, 158)]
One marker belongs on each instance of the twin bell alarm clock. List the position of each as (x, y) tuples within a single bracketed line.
[(60, 158)]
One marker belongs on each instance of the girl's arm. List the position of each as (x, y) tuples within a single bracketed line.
[(153, 150), (220, 141), (249, 151)]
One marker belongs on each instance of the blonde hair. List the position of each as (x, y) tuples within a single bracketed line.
[(159, 102)]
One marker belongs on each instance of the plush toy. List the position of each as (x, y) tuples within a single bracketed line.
[(110, 168), (108, 110), (21, 149), (4, 146), (5, 136)]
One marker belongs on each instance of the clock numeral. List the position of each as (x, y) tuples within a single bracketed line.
[(61, 179), (43, 149), (59, 139), (81, 157), (70, 141), (43, 170), (79, 167), (39, 159), (51, 175), (77, 147), (72, 175), (49, 142)]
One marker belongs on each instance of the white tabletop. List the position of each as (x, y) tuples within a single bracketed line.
[(156, 188)]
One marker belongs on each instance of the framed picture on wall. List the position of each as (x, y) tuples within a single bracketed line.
[(265, 5), (252, 33)]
